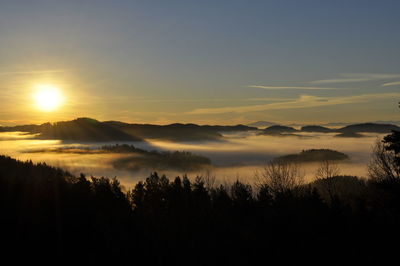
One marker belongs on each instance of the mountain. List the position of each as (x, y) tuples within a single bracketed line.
[(315, 128), (83, 129), (80, 129), (368, 127), (87, 129), (182, 132), (337, 124), (259, 124), (276, 130)]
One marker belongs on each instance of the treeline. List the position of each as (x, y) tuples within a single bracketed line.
[(49, 214)]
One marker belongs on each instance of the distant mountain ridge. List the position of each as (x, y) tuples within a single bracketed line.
[(315, 128), (369, 127), (261, 124), (177, 131), (275, 130), (91, 130), (346, 131)]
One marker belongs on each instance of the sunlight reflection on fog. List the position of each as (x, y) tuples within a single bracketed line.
[(238, 157)]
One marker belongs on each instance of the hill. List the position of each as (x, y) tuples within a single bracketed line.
[(368, 127), (91, 130), (83, 129), (177, 131), (315, 128), (259, 124), (278, 130), (313, 155)]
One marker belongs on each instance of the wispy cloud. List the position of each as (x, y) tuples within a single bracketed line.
[(6, 73), (356, 77), (290, 87), (304, 101), (395, 83)]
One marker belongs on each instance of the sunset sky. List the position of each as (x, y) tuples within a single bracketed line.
[(207, 62)]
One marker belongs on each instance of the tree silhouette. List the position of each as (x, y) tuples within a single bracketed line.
[(280, 176), (384, 163), (326, 173)]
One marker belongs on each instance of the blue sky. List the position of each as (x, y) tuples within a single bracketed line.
[(202, 61)]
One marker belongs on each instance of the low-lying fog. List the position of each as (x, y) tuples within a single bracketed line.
[(239, 156)]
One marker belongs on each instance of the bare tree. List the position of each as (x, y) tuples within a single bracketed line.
[(280, 176), (327, 169), (325, 174), (209, 179), (382, 165)]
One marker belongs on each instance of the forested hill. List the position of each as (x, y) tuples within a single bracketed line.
[(313, 155)]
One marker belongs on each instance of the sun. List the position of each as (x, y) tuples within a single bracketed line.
[(48, 98)]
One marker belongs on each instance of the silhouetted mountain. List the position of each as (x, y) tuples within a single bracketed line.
[(259, 124), (369, 127), (337, 124), (83, 129), (313, 155), (315, 128), (392, 122), (80, 129), (177, 131), (87, 129), (276, 130)]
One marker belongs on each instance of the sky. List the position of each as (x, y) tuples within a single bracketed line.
[(206, 62)]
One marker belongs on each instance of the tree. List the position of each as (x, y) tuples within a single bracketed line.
[(392, 144), (241, 193), (280, 177), (384, 161), (327, 169), (326, 173)]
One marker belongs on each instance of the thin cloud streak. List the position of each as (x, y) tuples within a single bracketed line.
[(304, 101), (6, 73), (356, 77), (391, 84), (290, 87)]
